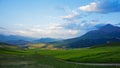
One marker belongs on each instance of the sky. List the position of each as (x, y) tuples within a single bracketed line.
[(56, 18)]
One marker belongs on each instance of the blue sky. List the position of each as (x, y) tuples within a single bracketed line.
[(56, 18)]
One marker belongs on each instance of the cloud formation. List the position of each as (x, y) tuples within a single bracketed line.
[(102, 6), (53, 31), (72, 17)]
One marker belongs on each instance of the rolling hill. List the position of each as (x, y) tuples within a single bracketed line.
[(20, 58), (106, 53)]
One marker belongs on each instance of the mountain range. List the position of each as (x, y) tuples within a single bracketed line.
[(15, 39), (45, 40), (106, 34), (20, 40)]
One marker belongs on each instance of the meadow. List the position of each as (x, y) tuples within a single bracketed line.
[(14, 57), (108, 53)]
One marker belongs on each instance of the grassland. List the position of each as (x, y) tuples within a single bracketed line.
[(109, 53), (39, 58)]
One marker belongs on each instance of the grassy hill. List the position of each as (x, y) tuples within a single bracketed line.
[(108, 53), (36, 58)]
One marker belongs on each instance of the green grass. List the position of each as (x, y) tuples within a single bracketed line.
[(102, 54), (37, 58)]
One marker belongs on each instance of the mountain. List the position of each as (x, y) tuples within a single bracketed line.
[(45, 40), (15, 39), (18, 42), (106, 34), (108, 31)]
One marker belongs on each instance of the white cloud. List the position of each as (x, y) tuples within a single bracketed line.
[(91, 7), (73, 32), (55, 26), (19, 24), (102, 6), (53, 30), (72, 17)]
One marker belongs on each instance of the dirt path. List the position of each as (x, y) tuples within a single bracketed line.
[(100, 64), (97, 64)]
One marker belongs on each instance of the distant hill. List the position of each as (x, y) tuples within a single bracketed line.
[(106, 34), (45, 40), (19, 42), (14, 39), (8, 46)]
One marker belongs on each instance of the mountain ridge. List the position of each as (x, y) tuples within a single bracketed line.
[(15, 39), (107, 33), (45, 40)]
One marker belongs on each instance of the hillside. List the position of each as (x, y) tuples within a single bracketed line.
[(107, 53), (106, 34), (19, 58), (34, 58), (8, 46)]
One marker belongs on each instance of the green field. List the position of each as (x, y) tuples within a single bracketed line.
[(15, 57), (109, 53)]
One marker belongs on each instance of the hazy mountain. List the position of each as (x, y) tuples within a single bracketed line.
[(105, 34), (14, 39), (18, 42), (108, 31), (45, 40)]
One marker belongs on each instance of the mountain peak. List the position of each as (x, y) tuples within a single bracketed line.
[(108, 27)]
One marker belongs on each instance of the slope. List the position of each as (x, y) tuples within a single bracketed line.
[(106, 34), (12, 58), (107, 53)]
